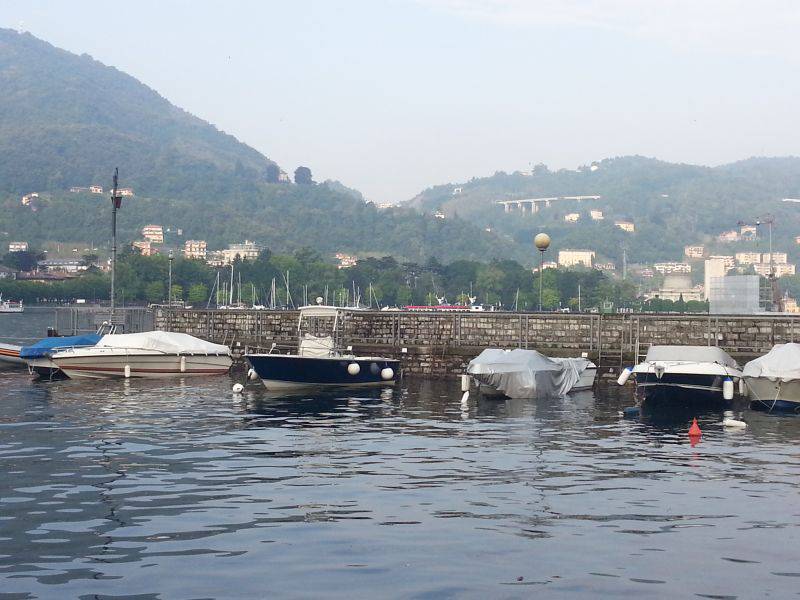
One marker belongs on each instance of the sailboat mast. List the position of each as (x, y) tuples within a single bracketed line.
[(230, 298)]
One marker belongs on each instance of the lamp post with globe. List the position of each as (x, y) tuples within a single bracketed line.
[(542, 243)]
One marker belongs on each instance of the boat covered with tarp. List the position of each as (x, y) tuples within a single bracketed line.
[(773, 380), (523, 373)]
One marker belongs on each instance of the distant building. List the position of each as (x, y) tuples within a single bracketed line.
[(96, 189), (728, 236), (572, 217), (647, 273), (346, 260), (6, 273), (439, 214), (153, 233), (386, 205), (245, 251), (625, 226), (780, 269), (28, 198), (728, 260), (677, 287), (735, 294), (694, 251), (124, 192), (605, 266), (714, 267), (779, 258), (597, 215), (790, 305), (62, 265), (666, 268), (18, 247), (456, 191), (144, 247), (797, 240), (78, 190), (195, 249), (748, 232), (571, 258), (748, 258), (283, 177)]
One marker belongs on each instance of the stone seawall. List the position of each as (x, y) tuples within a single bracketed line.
[(443, 343)]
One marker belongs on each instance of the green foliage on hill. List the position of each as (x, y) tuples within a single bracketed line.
[(67, 120), (672, 205)]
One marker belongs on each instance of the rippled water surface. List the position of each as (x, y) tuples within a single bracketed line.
[(178, 489)]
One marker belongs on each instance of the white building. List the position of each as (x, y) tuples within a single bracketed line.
[(195, 249), (144, 247), (677, 287), (18, 247), (714, 267), (666, 268), (597, 215), (572, 217), (748, 258), (694, 251), (780, 269), (605, 266), (571, 258), (345, 260), (245, 251), (63, 265), (96, 189), (728, 236), (439, 214), (779, 258), (28, 198), (627, 226), (727, 259), (748, 232), (153, 233)]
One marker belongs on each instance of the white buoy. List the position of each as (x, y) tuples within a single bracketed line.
[(183, 364), (733, 423), (727, 388), (623, 377), (387, 373), (465, 399), (238, 388), (465, 383), (127, 371), (742, 387), (353, 369), (252, 375)]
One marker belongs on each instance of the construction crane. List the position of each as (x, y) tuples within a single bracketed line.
[(769, 221)]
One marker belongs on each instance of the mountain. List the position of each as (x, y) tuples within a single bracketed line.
[(671, 205), (68, 121)]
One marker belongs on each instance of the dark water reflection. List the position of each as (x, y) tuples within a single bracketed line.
[(181, 490)]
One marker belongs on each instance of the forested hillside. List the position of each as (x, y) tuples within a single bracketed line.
[(671, 205), (68, 121)]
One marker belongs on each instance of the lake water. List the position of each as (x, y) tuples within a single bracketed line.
[(179, 489)]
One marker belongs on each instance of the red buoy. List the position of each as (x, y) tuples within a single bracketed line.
[(694, 430)]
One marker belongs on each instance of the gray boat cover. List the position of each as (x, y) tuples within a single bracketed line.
[(526, 373), (782, 362), (711, 354)]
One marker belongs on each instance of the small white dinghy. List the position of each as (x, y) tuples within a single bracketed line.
[(529, 374), (773, 380)]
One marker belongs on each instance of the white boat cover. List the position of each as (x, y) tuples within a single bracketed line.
[(526, 373), (162, 341), (782, 362), (708, 354)]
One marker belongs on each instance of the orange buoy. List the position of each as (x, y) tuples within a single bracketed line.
[(694, 430)]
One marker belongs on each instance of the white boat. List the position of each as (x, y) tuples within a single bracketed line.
[(773, 380), (686, 373), (321, 362), (9, 357), (522, 373), (8, 306), (150, 354)]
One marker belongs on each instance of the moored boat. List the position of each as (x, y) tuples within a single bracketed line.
[(9, 356), (523, 373), (686, 374), (37, 356), (9, 306), (320, 362), (149, 354), (773, 380)]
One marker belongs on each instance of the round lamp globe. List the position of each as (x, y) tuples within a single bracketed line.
[(542, 241)]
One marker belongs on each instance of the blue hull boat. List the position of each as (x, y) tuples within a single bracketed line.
[(284, 371)]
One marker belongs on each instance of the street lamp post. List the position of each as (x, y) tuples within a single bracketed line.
[(169, 286), (542, 243)]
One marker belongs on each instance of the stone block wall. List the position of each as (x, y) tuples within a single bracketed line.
[(443, 343)]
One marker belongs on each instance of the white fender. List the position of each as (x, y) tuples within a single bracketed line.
[(183, 364), (387, 373), (353, 369), (127, 371), (623, 377), (727, 388), (237, 388)]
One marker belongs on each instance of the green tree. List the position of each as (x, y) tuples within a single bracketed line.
[(198, 293), (154, 291)]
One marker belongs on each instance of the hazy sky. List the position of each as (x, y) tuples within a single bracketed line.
[(393, 96)]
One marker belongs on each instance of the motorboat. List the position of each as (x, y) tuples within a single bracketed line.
[(685, 374), (149, 354), (9, 306), (37, 356), (773, 380), (523, 373), (9, 356), (320, 360)]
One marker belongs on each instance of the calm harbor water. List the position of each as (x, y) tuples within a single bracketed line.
[(178, 489)]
